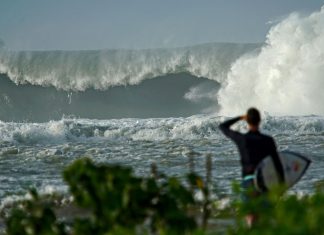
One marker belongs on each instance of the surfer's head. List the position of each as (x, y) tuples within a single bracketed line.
[(253, 117)]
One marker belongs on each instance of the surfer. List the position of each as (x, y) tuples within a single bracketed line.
[(253, 148)]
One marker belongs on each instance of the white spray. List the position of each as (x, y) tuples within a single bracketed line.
[(286, 77), (80, 70)]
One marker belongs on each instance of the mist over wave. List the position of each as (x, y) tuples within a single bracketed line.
[(80, 70), (286, 77)]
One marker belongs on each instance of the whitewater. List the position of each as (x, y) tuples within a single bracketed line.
[(138, 107)]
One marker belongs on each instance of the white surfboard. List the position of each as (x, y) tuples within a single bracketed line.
[(294, 166)]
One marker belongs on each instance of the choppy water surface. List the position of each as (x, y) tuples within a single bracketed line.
[(34, 154)]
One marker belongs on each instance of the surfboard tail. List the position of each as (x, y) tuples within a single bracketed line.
[(295, 165)]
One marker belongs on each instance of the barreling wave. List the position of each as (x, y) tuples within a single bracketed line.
[(80, 70), (283, 76), (165, 96)]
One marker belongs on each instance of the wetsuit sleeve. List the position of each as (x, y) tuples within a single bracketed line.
[(276, 161), (225, 128)]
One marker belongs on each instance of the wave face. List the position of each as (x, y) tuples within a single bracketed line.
[(40, 86), (163, 96), (286, 77)]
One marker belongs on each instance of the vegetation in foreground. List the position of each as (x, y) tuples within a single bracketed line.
[(115, 202)]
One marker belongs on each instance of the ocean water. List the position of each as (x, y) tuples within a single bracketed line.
[(34, 154), (138, 107)]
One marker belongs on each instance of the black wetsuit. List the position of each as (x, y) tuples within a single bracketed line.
[(253, 147)]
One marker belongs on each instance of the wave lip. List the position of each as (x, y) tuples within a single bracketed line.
[(81, 70)]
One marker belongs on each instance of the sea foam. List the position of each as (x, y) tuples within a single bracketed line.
[(80, 70), (197, 127), (286, 77)]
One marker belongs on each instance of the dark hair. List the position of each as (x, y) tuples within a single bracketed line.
[(253, 117)]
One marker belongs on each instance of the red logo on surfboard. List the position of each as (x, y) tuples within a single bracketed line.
[(296, 166)]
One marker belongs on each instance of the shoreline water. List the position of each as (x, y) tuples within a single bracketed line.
[(223, 215), (34, 154)]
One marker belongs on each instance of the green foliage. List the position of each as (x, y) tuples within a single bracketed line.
[(120, 203), (282, 215), (116, 198), (111, 193), (34, 217), (117, 201)]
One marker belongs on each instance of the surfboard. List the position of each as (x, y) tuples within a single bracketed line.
[(294, 164)]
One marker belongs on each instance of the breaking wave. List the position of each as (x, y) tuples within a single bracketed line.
[(197, 127), (80, 70), (283, 76), (286, 77), (46, 85)]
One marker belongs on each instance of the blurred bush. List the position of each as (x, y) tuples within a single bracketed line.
[(119, 203)]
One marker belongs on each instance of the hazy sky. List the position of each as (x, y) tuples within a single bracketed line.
[(96, 24)]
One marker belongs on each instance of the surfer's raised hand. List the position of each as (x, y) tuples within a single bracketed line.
[(243, 117)]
